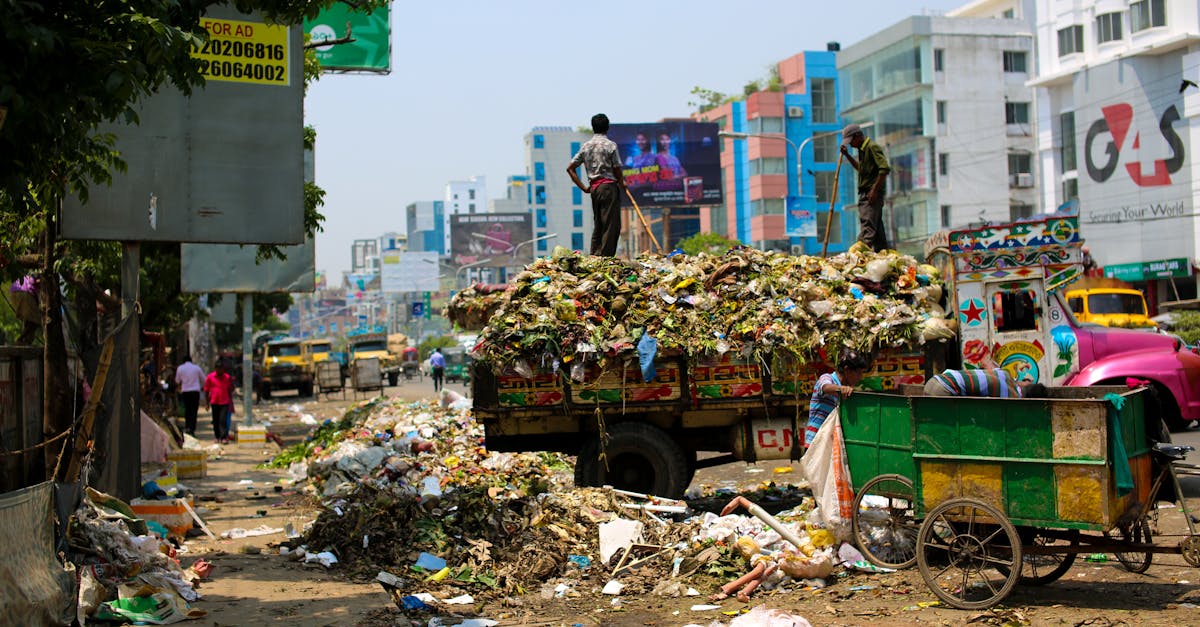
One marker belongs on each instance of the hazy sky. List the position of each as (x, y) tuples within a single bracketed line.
[(470, 79)]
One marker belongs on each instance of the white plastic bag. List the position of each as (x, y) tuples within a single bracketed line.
[(829, 477)]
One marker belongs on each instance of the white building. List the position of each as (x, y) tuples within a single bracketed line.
[(559, 207), (1117, 123), (462, 197), (947, 100)]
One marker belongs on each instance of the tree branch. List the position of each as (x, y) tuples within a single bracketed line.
[(348, 39)]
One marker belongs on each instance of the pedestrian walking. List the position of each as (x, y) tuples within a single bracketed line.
[(872, 167), (190, 379), (218, 390), (437, 368), (606, 184)]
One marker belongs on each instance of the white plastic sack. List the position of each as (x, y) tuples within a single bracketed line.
[(760, 616), (829, 477)]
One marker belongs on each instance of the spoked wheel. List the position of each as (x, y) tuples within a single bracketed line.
[(966, 550), (1137, 533), (885, 526), (1039, 570)]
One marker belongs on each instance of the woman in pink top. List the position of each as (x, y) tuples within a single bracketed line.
[(218, 390)]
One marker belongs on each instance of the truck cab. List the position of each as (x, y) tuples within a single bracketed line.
[(370, 345), (285, 366), (1110, 307)]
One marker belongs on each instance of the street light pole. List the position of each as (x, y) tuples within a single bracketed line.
[(799, 149)]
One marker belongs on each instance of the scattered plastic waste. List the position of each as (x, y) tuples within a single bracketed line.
[(430, 562)]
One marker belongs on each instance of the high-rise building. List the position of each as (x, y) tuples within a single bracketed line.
[(1117, 122), (763, 181), (364, 256), (425, 223), (559, 207), (946, 98), (463, 197)]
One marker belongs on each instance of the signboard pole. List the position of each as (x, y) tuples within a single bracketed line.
[(131, 259), (247, 357)]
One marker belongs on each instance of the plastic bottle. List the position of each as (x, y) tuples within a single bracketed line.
[(1097, 557)]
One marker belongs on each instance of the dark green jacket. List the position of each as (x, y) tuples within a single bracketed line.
[(872, 164)]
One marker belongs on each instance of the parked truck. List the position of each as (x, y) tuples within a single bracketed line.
[(370, 345), (1109, 302), (1003, 284), (285, 366)]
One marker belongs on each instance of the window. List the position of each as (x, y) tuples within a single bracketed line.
[(939, 60), (1015, 310), (542, 242), (576, 196), (825, 148), (577, 217), (1076, 304), (1019, 211), (1070, 40), (471, 194), (823, 186), (471, 208), (577, 241), (824, 104), (1108, 27), (540, 217), (1146, 14), (768, 165), (1070, 188), (945, 216), (1020, 163), (941, 112), (539, 141), (539, 171), (1008, 14), (943, 164), (1066, 122), (767, 207), (760, 126), (1014, 61), (539, 194), (1016, 112)]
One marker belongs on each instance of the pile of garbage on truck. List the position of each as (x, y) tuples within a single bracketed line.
[(571, 307), (410, 495)]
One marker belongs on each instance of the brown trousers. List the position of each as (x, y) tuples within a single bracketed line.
[(606, 219), (870, 224)]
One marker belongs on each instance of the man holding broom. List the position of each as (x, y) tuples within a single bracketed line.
[(872, 167), (606, 183)]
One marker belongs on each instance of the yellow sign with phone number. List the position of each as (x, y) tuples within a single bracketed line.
[(243, 52)]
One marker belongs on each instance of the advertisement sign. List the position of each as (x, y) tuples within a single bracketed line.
[(371, 49), (670, 163), (1133, 150), (1178, 268), (238, 51), (491, 239), (408, 272), (222, 268), (801, 220)]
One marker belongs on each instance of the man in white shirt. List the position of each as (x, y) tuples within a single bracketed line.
[(190, 379)]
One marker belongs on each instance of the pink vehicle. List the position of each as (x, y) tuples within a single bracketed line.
[(1006, 282)]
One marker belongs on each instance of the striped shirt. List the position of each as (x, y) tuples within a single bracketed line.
[(996, 383), (820, 405)]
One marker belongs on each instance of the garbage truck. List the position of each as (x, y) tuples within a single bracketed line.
[(1003, 286), (368, 345), (285, 366)]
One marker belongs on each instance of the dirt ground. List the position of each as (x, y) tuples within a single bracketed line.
[(266, 588)]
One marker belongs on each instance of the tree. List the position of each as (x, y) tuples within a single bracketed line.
[(710, 243), (68, 67)]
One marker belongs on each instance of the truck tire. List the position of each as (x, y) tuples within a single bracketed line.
[(640, 458), (393, 378)]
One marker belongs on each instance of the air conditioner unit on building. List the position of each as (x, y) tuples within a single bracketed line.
[(1024, 179), (795, 112), (797, 249)]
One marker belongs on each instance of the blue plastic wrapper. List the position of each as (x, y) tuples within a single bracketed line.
[(579, 560), (647, 348), (428, 561), (413, 603)]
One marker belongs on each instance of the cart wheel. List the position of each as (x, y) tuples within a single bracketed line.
[(1039, 570), (885, 526), (962, 547), (1190, 550), (1137, 533)]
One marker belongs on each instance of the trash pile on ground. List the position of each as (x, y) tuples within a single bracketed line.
[(129, 570), (573, 307), (411, 497)]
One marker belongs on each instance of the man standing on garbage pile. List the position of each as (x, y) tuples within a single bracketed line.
[(872, 167), (830, 389), (190, 378), (437, 367), (992, 382), (606, 183)]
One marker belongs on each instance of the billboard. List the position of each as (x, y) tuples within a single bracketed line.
[(221, 268), (801, 219), (491, 239), (408, 272), (371, 50), (670, 164), (224, 165)]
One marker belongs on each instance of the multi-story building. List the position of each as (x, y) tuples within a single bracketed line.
[(364, 256), (559, 207), (763, 181), (469, 196), (518, 197), (426, 226), (1117, 122), (947, 100)]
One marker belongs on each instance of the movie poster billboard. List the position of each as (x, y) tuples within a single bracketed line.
[(491, 239), (670, 164)]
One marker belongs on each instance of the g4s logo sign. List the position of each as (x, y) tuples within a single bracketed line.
[(1116, 122)]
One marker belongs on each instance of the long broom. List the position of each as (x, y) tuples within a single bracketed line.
[(832, 199), (657, 247)]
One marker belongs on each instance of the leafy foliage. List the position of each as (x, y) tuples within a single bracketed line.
[(1186, 324), (711, 243)]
